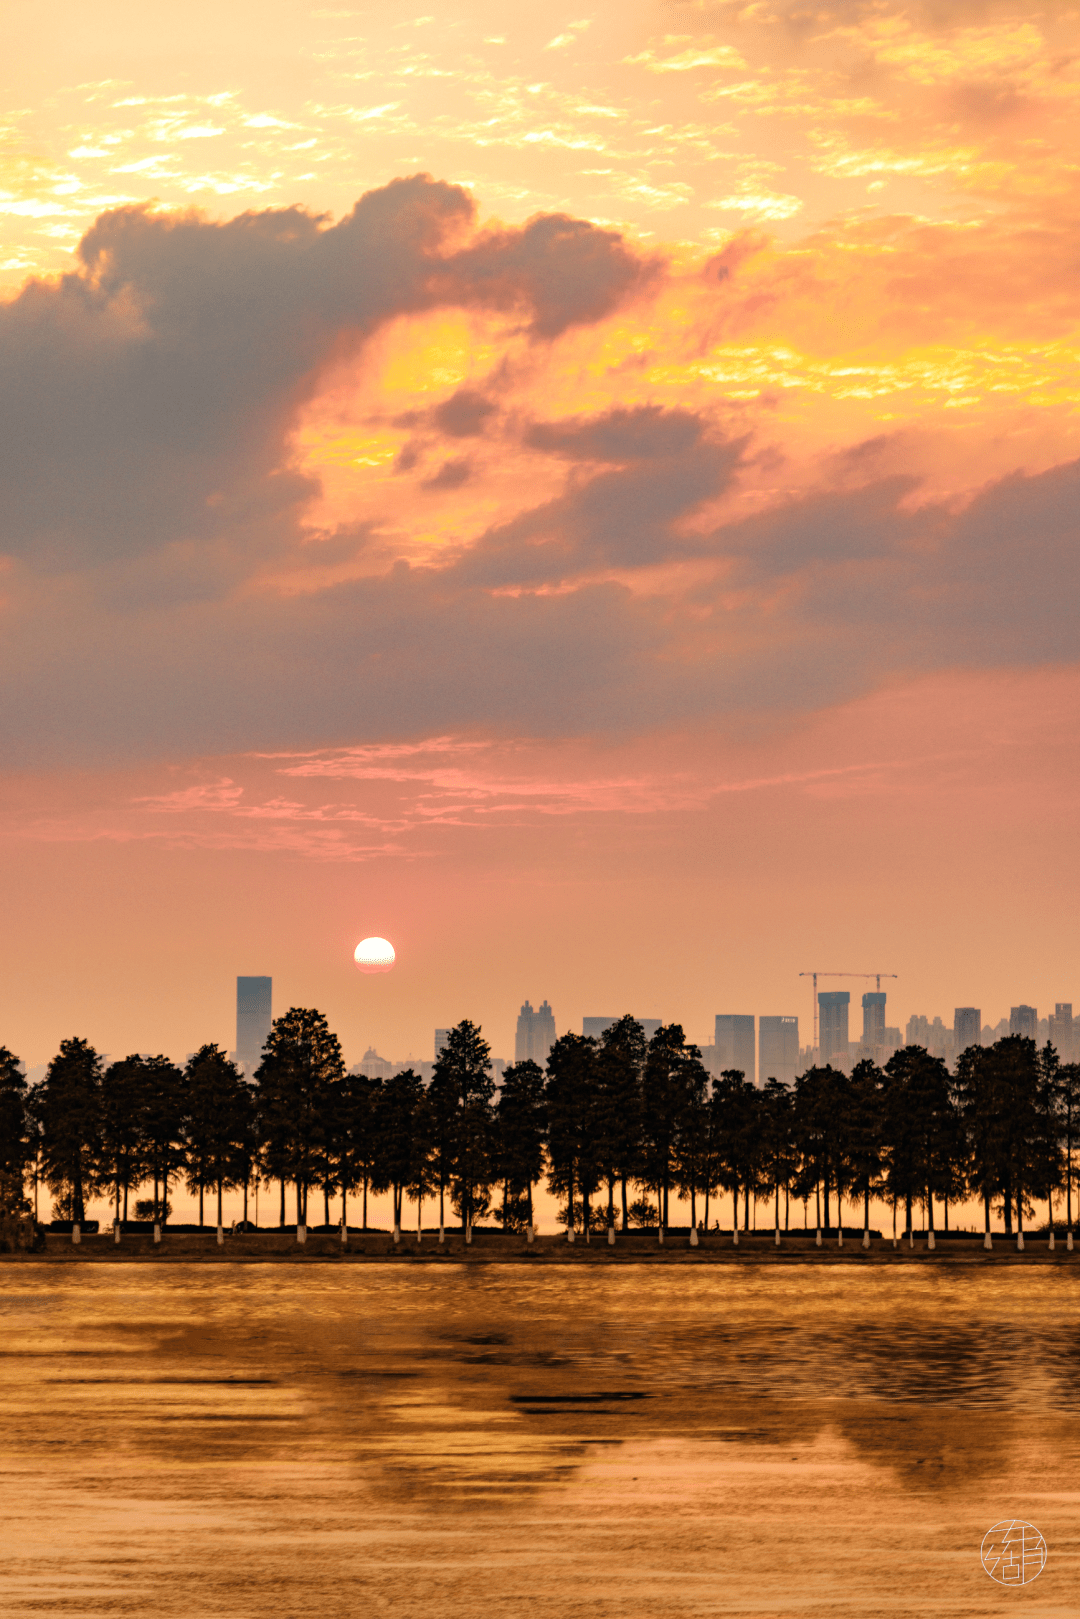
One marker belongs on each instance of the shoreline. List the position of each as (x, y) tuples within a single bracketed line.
[(755, 1248)]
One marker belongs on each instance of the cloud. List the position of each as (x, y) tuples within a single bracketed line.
[(463, 415), (586, 567), (146, 399)]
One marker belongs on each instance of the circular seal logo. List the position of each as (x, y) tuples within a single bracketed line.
[(1013, 1552)]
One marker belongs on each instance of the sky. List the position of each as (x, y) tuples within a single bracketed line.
[(589, 494)]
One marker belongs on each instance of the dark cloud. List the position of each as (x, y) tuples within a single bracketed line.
[(146, 399), (646, 433), (451, 475), (463, 415), (565, 271)]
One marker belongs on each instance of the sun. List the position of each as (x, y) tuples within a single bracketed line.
[(374, 955)]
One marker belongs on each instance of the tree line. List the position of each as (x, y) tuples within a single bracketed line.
[(615, 1125)]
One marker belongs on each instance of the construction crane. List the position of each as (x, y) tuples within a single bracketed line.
[(816, 975)]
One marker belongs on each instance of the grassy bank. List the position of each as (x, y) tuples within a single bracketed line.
[(493, 1247)]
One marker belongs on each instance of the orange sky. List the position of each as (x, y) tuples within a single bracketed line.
[(634, 606)]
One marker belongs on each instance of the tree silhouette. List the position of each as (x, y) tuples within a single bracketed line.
[(301, 1062), (220, 1112), (70, 1112), (123, 1136), (619, 1067), (672, 1079), (164, 1123), (463, 1099), (16, 1134), (520, 1120), (570, 1099)]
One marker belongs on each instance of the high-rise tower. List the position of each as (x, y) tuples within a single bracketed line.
[(873, 1022), (778, 1048), (833, 1027), (735, 1043), (253, 1019), (1024, 1020), (967, 1027), (535, 1033)]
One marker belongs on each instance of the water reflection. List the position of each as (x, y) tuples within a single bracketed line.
[(350, 1440)]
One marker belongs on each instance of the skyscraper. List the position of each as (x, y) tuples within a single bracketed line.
[(833, 1027), (735, 1043), (873, 1023), (253, 1020), (441, 1037), (967, 1027), (535, 1034), (778, 1049), (1024, 1020), (1062, 1035)]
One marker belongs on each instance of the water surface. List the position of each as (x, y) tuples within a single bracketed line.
[(274, 1441)]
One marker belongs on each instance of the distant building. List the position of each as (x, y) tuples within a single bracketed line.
[(967, 1027), (1024, 1020), (873, 1026), (1062, 1031), (708, 1059), (833, 1026), (253, 1020), (593, 1027), (372, 1066), (735, 1043), (441, 1038), (893, 1042), (535, 1034), (778, 1049)]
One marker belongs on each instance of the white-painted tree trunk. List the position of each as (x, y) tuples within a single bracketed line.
[(76, 1233)]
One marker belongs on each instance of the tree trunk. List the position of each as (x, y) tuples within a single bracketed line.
[(625, 1214), (929, 1210), (825, 1185), (735, 1207), (907, 1211), (200, 1205), (281, 1222), (365, 1202), (746, 1207), (219, 1190)]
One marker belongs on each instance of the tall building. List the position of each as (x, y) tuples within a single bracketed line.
[(593, 1027), (253, 1020), (1062, 1031), (372, 1066), (967, 1027), (833, 1026), (735, 1043), (535, 1034), (778, 1049), (873, 1022), (1024, 1020), (441, 1037)]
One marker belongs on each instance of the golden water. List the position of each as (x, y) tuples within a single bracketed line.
[(277, 1441)]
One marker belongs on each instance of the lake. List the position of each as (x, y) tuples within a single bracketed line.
[(266, 1440)]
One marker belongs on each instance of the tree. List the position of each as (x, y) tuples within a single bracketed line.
[(619, 1066), (400, 1127), (123, 1136), (673, 1076), (354, 1103), (16, 1134), (164, 1121), (301, 1063), (520, 1126), (694, 1159), (819, 1109), (570, 1100), (734, 1127), (17, 1137), (778, 1152), (220, 1114), (1069, 1080), (70, 1112), (464, 1090), (863, 1132)]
